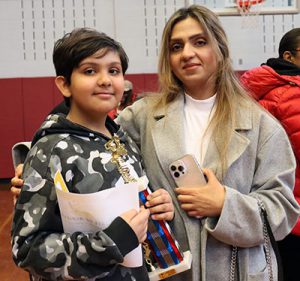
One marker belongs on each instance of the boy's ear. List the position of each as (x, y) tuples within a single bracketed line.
[(63, 86), (288, 56)]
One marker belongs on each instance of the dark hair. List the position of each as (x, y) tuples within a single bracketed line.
[(289, 42), (79, 44)]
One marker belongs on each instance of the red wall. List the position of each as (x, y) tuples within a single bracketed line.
[(25, 102)]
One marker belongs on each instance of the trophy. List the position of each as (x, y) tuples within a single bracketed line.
[(162, 253)]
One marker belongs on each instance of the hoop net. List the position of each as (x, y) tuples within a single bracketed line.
[(249, 11)]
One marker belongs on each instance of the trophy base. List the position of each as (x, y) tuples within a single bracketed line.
[(162, 273)]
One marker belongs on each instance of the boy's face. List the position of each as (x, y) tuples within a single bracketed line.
[(97, 84)]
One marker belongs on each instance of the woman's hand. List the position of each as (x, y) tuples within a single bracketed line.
[(17, 183), (204, 201), (161, 205), (138, 221)]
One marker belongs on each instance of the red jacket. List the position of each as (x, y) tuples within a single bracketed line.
[(280, 95)]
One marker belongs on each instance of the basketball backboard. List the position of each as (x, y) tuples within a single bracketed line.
[(229, 7)]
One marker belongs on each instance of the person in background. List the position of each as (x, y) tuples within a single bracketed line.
[(276, 86), (203, 110), (90, 68), (128, 96), (127, 99)]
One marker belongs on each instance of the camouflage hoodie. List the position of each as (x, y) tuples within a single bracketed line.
[(39, 244)]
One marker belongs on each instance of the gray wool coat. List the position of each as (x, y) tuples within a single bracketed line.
[(261, 164)]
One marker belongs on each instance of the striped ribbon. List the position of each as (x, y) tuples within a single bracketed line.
[(160, 238)]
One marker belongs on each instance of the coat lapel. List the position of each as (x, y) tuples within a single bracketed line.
[(168, 133), (238, 143)]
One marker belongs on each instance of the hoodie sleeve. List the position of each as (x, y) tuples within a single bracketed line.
[(40, 246)]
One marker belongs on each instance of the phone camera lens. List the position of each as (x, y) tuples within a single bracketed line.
[(176, 174), (181, 168), (173, 168)]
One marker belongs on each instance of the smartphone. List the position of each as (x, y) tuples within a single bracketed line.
[(187, 172)]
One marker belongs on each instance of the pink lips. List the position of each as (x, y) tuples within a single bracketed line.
[(103, 94), (190, 66)]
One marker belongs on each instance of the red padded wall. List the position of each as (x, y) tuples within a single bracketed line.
[(24, 104), (11, 122), (143, 82), (38, 101)]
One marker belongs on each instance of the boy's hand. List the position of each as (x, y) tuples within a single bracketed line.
[(17, 183), (161, 205), (138, 221)]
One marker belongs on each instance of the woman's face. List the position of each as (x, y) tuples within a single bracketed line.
[(192, 57)]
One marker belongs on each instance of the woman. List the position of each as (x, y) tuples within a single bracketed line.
[(202, 110), (276, 86)]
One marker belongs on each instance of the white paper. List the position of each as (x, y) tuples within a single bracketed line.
[(95, 211)]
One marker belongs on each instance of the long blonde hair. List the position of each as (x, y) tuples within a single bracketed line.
[(229, 91)]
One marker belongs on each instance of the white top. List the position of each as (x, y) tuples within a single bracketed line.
[(197, 114)]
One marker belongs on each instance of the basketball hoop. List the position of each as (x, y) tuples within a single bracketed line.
[(249, 11)]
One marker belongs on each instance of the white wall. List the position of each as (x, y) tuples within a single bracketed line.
[(29, 28)]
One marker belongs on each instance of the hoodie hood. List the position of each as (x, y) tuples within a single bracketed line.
[(261, 80), (58, 124), (283, 67)]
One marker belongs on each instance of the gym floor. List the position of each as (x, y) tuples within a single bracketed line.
[(8, 270)]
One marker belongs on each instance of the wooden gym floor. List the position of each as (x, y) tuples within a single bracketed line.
[(8, 270)]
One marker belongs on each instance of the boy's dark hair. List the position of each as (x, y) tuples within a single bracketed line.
[(79, 44), (289, 42)]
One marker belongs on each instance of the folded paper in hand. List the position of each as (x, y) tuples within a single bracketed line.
[(95, 211)]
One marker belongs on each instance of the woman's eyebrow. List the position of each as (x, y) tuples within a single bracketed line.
[(190, 38)]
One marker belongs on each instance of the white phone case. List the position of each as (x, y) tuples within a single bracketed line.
[(187, 172)]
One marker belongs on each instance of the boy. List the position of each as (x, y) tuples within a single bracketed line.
[(90, 69)]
